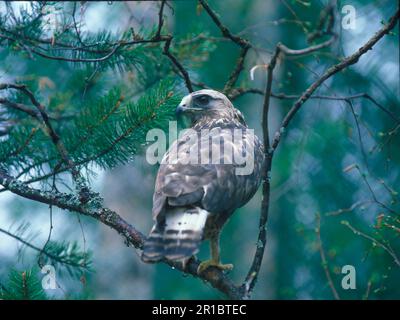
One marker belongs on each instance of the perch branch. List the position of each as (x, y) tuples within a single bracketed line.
[(94, 209)]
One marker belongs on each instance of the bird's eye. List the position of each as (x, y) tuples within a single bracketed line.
[(203, 100)]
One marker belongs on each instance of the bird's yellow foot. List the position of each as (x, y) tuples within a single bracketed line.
[(212, 263)]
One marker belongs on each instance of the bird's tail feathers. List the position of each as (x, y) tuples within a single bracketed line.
[(179, 238)]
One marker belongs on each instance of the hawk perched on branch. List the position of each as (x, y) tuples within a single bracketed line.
[(199, 184)]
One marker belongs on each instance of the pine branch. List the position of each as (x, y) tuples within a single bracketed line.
[(107, 131), (23, 285), (41, 115), (110, 218), (63, 253)]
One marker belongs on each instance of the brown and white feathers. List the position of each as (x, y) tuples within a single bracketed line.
[(193, 200)]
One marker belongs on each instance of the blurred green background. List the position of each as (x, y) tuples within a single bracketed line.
[(308, 176)]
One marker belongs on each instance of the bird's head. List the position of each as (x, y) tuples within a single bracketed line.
[(207, 103)]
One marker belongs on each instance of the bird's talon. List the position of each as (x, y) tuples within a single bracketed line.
[(210, 263)]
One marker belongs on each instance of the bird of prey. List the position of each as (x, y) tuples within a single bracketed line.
[(194, 199)]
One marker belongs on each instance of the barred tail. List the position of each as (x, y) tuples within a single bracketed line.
[(153, 248), (179, 238)]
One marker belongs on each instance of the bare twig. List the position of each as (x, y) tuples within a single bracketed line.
[(60, 58), (323, 258), (349, 209), (307, 50), (236, 71), (241, 42), (238, 92), (362, 148), (367, 292), (18, 106), (160, 19), (177, 64), (252, 274), (325, 22), (51, 227), (330, 72), (77, 31), (373, 195), (224, 30), (374, 242)]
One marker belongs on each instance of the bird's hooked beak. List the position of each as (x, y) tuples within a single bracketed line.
[(179, 110), (184, 105)]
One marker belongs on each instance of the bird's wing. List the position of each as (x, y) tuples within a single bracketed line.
[(215, 187)]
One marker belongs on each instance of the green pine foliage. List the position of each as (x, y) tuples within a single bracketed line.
[(107, 131), (99, 122), (23, 285), (67, 257), (104, 49), (111, 132), (102, 96)]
